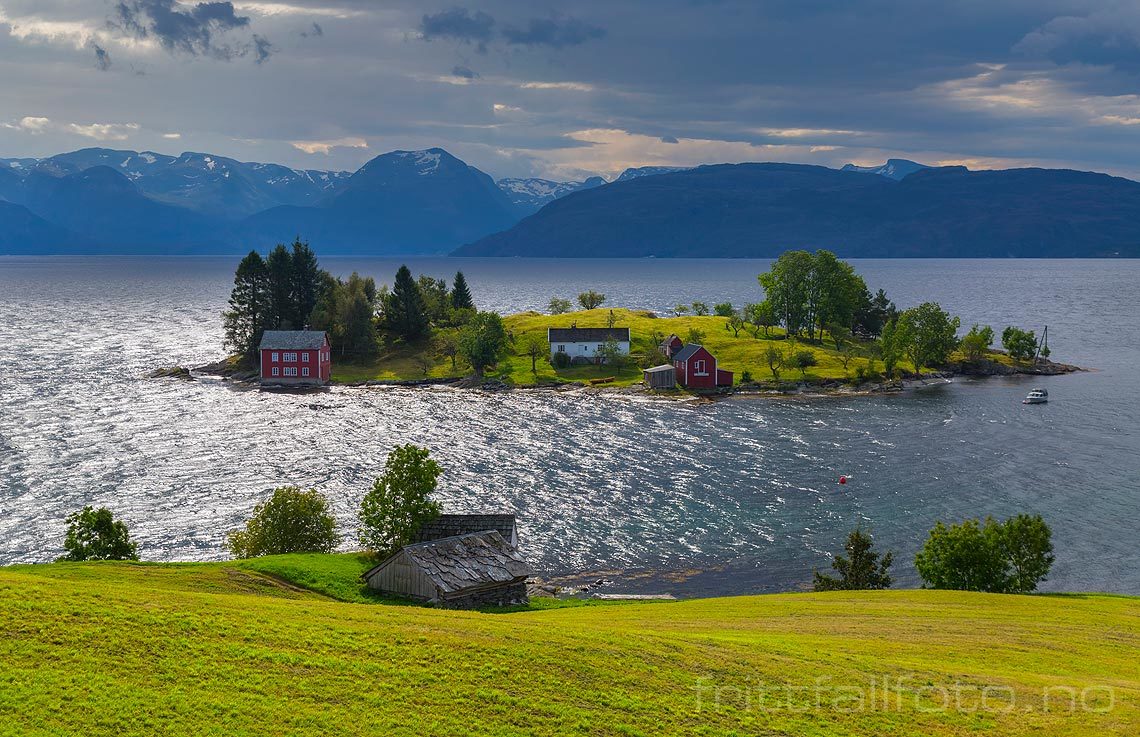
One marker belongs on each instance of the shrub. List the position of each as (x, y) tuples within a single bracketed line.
[(700, 309), (399, 504), (746, 377), (724, 309), (561, 360), (861, 569), (290, 521), (95, 534)]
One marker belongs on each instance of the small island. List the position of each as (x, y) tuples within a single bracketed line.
[(817, 328)]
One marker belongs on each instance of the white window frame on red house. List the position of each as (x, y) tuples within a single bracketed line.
[(276, 371), (699, 367), (305, 371), (305, 357), (290, 371), (289, 358), (274, 357)]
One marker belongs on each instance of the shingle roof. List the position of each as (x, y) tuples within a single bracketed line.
[(587, 335), (450, 525), (687, 352), (468, 561), (290, 340)]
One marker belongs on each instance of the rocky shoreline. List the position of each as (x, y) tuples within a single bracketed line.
[(230, 371)]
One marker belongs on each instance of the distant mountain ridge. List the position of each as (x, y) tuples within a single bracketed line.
[(894, 168), (430, 202), (760, 210)]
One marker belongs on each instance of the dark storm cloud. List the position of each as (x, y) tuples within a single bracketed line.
[(102, 58), (1107, 37), (585, 84), (459, 24), (555, 32), (191, 29)]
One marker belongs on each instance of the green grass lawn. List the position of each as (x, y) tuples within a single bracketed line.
[(222, 648), (737, 353)]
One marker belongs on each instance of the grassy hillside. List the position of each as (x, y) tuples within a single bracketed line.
[(193, 649), (734, 353)]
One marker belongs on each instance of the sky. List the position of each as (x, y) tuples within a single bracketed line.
[(568, 89)]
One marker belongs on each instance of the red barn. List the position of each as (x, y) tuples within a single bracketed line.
[(295, 357), (697, 369)]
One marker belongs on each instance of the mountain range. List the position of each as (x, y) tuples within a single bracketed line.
[(407, 202), (760, 210)]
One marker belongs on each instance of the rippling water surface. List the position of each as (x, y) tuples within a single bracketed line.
[(729, 497)]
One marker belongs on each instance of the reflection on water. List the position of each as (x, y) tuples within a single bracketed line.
[(744, 490)]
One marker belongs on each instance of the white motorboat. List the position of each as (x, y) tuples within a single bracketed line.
[(1037, 396)]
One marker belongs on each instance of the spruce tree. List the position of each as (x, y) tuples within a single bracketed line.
[(460, 294), (404, 310), (307, 280), (860, 569), (282, 309), (249, 306)]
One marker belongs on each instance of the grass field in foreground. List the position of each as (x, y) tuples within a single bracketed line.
[(193, 649)]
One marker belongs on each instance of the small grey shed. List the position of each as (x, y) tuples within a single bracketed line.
[(660, 377), (463, 572)]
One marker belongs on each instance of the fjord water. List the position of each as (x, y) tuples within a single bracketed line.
[(734, 496)]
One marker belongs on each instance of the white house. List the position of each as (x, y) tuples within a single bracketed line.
[(583, 343)]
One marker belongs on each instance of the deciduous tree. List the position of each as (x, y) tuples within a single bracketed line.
[(534, 346), (927, 334), (558, 306), (1020, 344), (399, 502), (591, 300), (290, 521), (95, 534), (483, 341)]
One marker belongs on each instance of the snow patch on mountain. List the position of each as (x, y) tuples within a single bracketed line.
[(648, 171), (897, 169)]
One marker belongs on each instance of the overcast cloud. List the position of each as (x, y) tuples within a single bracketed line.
[(569, 89)]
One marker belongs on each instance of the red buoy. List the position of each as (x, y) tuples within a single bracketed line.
[(843, 479)]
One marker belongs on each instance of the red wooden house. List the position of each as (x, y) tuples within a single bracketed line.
[(671, 345), (295, 357), (697, 368)]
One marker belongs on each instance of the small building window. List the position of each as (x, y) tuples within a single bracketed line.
[(275, 357), (290, 358), (276, 371), (305, 356), (305, 370), (561, 349)]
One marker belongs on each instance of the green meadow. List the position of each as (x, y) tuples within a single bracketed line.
[(292, 645), (735, 352)]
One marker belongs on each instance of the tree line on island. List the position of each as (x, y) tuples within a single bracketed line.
[(1011, 556), (287, 290)]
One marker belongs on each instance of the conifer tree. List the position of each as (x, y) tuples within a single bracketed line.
[(279, 266), (460, 294), (249, 306), (404, 311), (306, 280)]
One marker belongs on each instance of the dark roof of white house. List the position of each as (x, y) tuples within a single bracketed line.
[(450, 525), (456, 564), (290, 340), (587, 335), (687, 352)]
